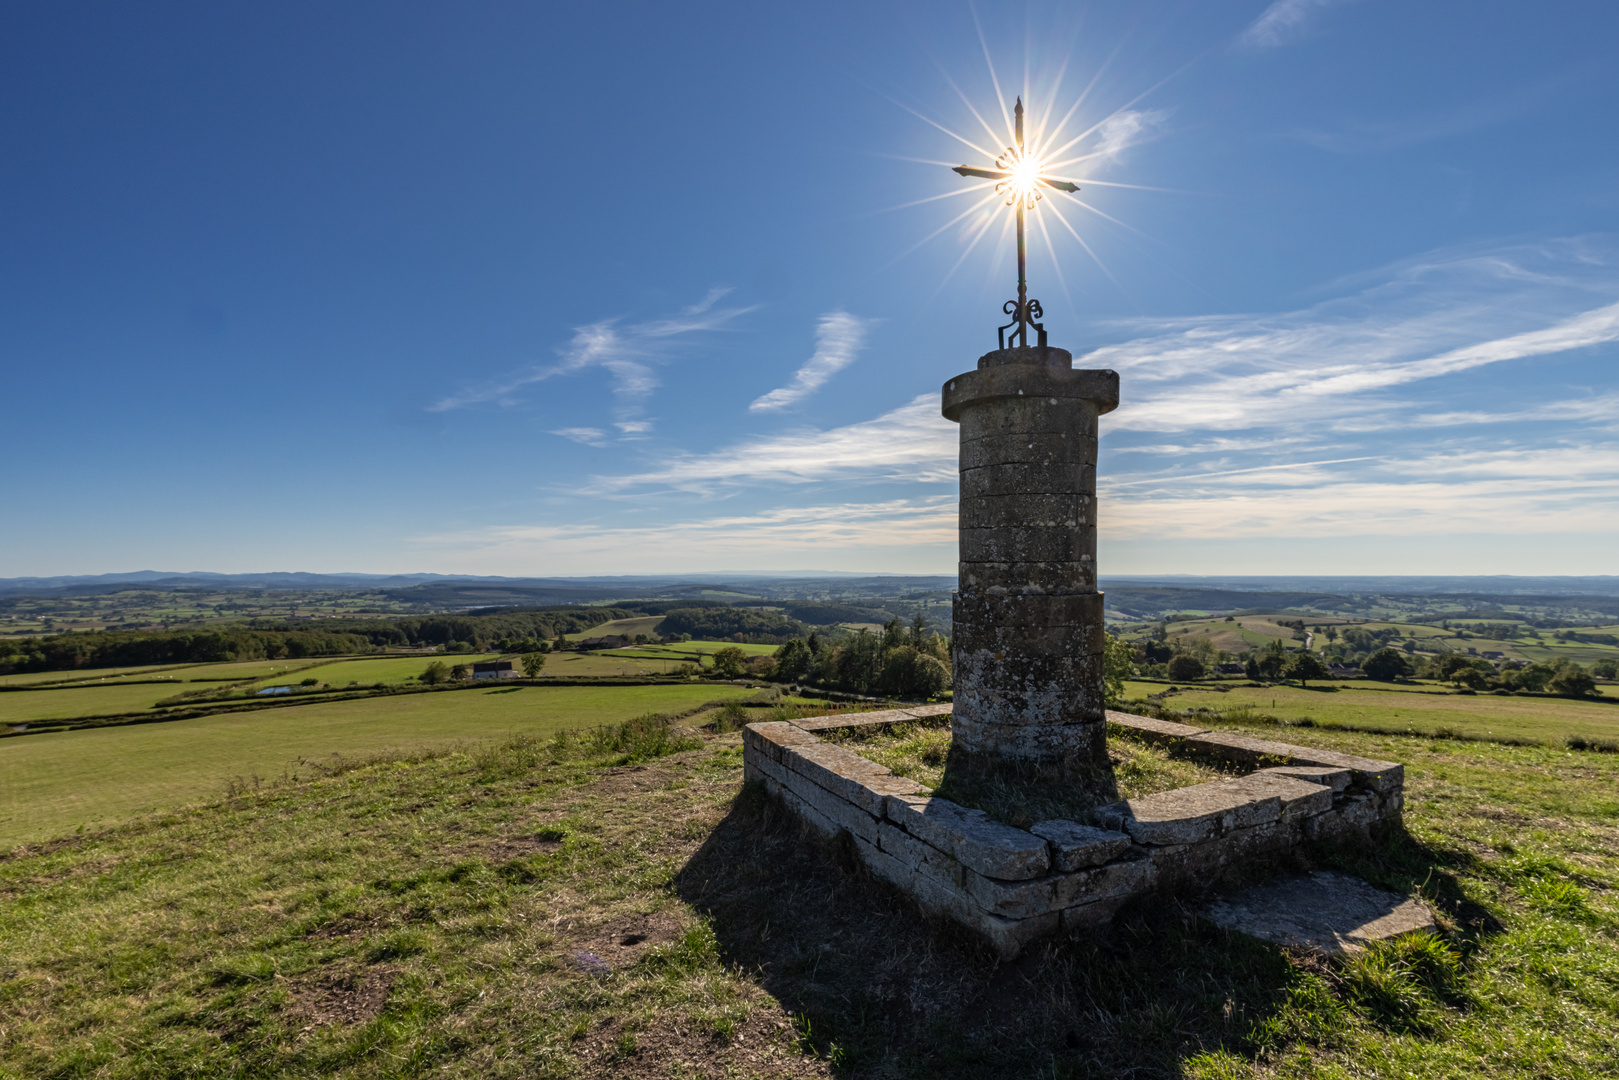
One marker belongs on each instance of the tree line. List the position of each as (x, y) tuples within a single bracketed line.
[(518, 629)]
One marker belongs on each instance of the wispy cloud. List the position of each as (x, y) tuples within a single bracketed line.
[(823, 536), (588, 435), (1335, 363), (1282, 22), (1125, 129), (912, 442), (838, 340), (628, 353), (1522, 491)]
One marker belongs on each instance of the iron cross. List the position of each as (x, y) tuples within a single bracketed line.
[(1018, 178)]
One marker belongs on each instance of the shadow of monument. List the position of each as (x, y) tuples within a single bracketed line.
[(1022, 793), (875, 986)]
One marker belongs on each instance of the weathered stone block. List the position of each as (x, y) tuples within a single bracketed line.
[(848, 775), (1323, 912), (981, 609), (1133, 875), (1190, 815), (1012, 899), (1053, 478), (1196, 867), (806, 813), (1238, 749), (927, 712), (771, 737), (920, 857), (1029, 577), (756, 766), (1300, 798), (1352, 816), (1031, 639), (1029, 374), (870, 719), (1025, 415), (1028, 544), (1067, 509), (839, 811), (1336, 779), (884, 866), (1380, 776), (989, 847), (1045, 448), (1021, 672), (1150, 730), (1076, 739), (1075, 846)]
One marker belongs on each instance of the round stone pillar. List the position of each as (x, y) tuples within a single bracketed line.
[(1027, 641)]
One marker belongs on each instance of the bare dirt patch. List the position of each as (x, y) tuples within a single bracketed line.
[(623, 940), (760, 1046), (340, 997)]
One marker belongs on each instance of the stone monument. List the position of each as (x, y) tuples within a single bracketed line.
[(1028, 655), (1028, 636), (1027, 642)]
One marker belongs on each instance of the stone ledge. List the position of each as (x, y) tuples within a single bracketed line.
[(849, 776), (1382, 776), (1189, 815), (989, 847), (1075, 846), (1158, 731)]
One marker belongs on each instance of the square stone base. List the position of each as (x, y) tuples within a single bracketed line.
[(1015, 885)]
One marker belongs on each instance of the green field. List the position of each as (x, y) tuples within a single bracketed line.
[(688, 649), (1364, 706), (240, 670), (24, 707), (383, 669), (646, 624), (36, 678), (608, 663), (54, 782)]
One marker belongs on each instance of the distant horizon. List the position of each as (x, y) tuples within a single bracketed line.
[(136, 576)]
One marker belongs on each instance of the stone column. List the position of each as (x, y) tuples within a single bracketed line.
[(1027, 644)]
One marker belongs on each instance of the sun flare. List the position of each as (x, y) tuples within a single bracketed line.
[(1023, 180)]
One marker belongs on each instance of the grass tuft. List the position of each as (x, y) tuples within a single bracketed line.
[(642, 738)]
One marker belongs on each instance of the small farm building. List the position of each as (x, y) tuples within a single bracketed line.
[(495, 669)]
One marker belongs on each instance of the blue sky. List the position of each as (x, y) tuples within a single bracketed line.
[(529, 289)]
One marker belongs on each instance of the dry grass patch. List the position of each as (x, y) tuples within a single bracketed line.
[(1021, 795)]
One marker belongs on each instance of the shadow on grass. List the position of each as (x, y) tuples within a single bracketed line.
[(876, 987)]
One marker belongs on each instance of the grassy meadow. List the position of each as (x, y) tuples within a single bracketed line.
[(72, 702), (366, 670), (550, 907), (236, 671), (55, 782), (1386, 706), (646, 624)]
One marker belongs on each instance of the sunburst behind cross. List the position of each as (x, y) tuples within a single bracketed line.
[(1019, 176)]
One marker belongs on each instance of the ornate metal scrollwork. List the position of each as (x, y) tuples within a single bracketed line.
[(1023, 317)]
